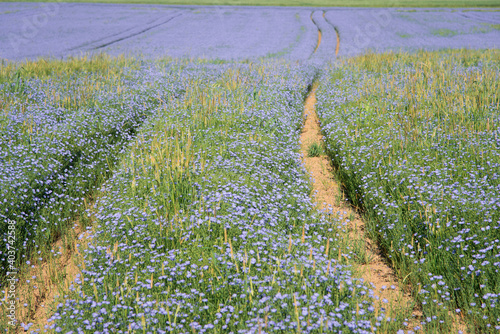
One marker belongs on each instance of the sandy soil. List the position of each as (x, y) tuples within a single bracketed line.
[(53, 280)]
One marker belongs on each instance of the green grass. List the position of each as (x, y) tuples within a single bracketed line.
[(312, 3), (314, 150)]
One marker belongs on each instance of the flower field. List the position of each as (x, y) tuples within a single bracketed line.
[(207, 224), (155, 194), (395, 29)]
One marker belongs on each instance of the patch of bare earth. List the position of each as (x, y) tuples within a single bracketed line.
[(45, 282), (319, 41), (392, 295), (338, 43)]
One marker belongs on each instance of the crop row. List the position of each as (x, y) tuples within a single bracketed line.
[(416, 140), (60, 135)]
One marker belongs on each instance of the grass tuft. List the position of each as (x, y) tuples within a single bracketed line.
[(444, 32), (314, 150)]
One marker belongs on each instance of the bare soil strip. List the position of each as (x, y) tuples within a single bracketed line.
[(328, 196), (338, 42), (47, 281)]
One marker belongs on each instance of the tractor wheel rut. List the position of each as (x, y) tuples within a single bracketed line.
[(372, 267), (53, 280)]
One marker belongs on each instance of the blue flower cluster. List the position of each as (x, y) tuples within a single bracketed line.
[(416, 139)]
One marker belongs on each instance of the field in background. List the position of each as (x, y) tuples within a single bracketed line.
[(313, 3), (221, 34)]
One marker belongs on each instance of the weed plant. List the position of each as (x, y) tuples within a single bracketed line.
[(314, 150)]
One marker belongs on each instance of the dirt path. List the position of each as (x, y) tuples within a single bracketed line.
[(338, 42), (319, 41), (328, 196), (48, 280)]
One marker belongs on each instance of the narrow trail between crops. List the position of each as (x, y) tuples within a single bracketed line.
[(338, 43), (328, 196), (135, 33), (53, 280)]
